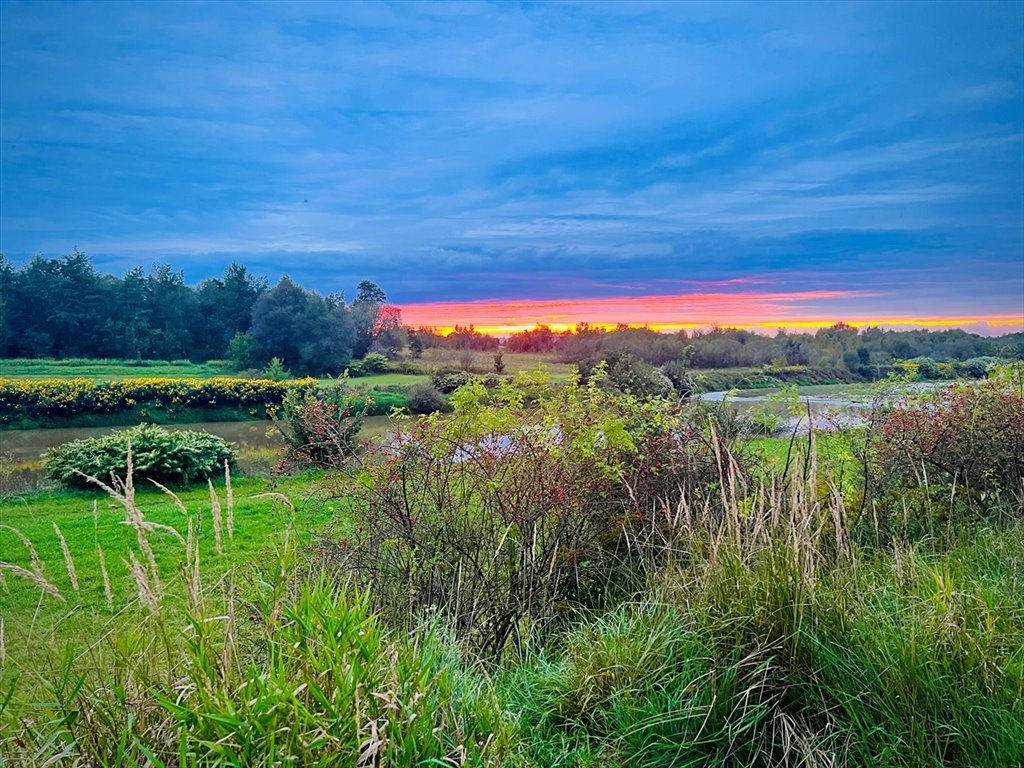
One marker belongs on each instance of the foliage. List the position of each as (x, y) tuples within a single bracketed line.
[(971, 436), (243, 352), (64, 308), (681, 377), (505, 516), (308, 332), (630, 375), (275, 370), (447, 380), (374, 363), (424, 399), (67, 397), (179, 457), (320, 430), (756, 629)]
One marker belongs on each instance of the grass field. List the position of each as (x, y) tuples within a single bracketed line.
[(110, 370), (34, 621)]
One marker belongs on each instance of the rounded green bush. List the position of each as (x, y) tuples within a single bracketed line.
[(175, 458)]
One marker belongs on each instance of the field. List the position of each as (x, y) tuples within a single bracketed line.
[(34, 625), (109, 370), (757, 616)]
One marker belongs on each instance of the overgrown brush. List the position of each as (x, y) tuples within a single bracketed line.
[(507, 519), (669, 608)]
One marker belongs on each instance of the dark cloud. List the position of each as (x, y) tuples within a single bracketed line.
[(455, 151)]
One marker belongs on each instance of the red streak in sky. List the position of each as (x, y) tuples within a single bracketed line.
[(753, 309)]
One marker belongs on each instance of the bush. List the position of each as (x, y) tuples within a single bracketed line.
[(504, 516), (72, 397), (171, 458), (679, 374), (629, 375), (320, 433), (447, 380), (970, 436), (275, 370), (424, 399), (374, 363)]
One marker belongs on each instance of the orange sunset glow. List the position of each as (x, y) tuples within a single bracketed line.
[(768, 310)]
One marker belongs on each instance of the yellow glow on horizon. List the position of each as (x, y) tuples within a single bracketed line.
[(760, 310)]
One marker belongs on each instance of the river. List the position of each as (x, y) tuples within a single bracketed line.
[(257, 444)]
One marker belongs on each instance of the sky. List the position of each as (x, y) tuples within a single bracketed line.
[(502, 164)]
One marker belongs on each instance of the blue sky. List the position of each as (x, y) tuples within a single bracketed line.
[(454, 152)]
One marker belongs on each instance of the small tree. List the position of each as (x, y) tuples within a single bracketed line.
[(275, 370), (499, 364), (243, 352)]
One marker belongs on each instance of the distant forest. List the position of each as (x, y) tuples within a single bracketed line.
[(63, 307)]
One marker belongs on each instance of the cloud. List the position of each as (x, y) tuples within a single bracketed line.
[(527, 151)]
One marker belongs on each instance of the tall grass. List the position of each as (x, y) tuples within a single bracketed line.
[(771, 635)]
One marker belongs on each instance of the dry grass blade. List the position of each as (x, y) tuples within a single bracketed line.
[(68, 560), (37, 564), (279, 497), (230, 501), (107, 593), (217, 522), (147, 594), (174, 497), (35, 578)]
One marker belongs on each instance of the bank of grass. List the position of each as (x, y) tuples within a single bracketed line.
[(781, 629), (907, 658), (771, 655)]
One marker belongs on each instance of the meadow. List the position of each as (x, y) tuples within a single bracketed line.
[(658, 586)]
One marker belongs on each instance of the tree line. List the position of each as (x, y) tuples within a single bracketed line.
[(63, 307), (839, 346)]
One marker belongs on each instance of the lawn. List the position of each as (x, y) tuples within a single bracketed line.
[(109, 370), (34, 622)]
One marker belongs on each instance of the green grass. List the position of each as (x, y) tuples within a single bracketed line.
[(383, 380), (109, 370), (901, 661), (35, 624)]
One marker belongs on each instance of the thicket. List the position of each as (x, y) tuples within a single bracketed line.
[(860, 352), (37, 401)]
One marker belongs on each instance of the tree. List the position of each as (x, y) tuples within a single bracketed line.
[(306, 331), (365, 314)]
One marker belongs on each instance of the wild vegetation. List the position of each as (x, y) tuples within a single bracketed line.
[(555, 575)]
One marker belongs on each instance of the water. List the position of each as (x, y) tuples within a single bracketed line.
[(258, 446), (839, 406)]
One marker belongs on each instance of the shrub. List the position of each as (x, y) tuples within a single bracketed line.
[(320, 433), (630, 375), (275, 370), (374, 363), (447, 380), (971, 436), (71, 397), (679, 374), (159, 454), (424, 399), (243, 352), (503, 517)]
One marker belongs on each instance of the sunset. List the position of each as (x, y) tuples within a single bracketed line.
[(512, 383)]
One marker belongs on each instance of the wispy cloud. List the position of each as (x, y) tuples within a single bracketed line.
[(457, 150)]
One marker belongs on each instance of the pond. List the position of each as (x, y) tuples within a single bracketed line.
[(830, 406), (258, 445)]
